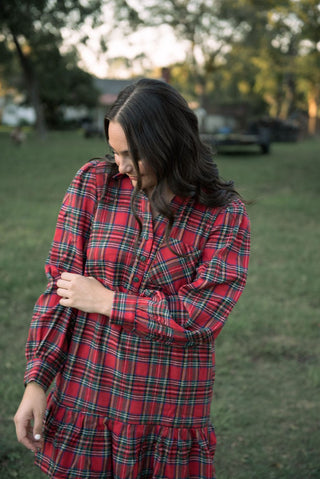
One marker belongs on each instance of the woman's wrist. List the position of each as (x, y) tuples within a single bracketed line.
[(34, 385), (107, 302)]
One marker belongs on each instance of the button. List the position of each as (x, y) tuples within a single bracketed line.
[(136, 279), (143, 258)]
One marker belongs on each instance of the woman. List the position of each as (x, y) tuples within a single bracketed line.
[(149, 256)]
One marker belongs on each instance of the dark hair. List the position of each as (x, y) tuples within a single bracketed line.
[(162, 130)]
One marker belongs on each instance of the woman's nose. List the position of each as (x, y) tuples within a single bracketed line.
[(124, 165)]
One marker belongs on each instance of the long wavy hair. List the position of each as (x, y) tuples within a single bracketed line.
[(163, 131)]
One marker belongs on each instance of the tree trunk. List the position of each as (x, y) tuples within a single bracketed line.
[(33, 88), (287, 104), (312, 111)]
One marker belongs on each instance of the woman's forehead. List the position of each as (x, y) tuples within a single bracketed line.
[(117, 137)]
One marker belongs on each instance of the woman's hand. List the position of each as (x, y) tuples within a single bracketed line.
[(29, 417), (84, 293)]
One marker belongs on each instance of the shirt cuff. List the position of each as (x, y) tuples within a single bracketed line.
[(123, 309), (39, 372), (126, 308)]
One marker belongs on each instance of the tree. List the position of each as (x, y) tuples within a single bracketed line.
[(308, 64), (74, 86), (10, 73), (24, 24), (294, 45), (242, 49), (198, 22)]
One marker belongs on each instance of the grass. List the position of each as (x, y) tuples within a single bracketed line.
[(266, 400)]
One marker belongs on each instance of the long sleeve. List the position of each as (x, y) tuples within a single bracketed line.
[(51, 324), (197, 313)]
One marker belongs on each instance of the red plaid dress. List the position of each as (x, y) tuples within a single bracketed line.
[(132, 391)]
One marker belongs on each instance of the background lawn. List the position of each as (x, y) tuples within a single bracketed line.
[(266, 402)]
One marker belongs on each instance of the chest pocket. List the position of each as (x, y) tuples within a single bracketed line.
[(169, 271)]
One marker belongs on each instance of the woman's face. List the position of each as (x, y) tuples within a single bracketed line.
[(122, 156)]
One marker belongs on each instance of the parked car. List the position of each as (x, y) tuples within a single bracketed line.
[(226, 139)]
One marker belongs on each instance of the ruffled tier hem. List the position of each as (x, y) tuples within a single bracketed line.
[(81, 446)]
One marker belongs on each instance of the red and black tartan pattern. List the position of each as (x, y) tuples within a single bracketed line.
[(133, 389)]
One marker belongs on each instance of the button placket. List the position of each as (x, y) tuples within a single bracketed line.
[(147, 247), (144, 248)]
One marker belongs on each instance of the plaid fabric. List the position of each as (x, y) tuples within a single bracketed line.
[(98, 447), (133, 392)]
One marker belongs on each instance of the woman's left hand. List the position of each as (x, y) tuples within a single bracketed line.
[(84, 293)]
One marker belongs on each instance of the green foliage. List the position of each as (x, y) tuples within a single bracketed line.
[(61, 81), (31, 16), (34, 28), (265, 406), (250, 50), (10, 73)]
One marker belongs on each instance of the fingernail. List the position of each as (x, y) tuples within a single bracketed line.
[(37, 437)]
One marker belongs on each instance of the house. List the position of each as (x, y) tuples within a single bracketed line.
[(15, 115), (109, 90)]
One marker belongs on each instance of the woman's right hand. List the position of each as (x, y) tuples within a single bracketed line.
[(29, 417)]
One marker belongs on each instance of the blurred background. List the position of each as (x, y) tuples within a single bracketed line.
[(250, 70), (237, 63)]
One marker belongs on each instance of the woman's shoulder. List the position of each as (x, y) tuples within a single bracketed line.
[(95, 167), (235, 207), (94, 173), (234, 212), (98, 177), (230, 217), (234, 217)]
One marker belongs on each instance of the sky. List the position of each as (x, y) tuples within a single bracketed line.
[(160, 45)]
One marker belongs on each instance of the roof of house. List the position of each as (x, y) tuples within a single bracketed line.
[(110, 89)]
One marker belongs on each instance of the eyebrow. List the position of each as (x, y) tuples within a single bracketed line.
[(124, 152)]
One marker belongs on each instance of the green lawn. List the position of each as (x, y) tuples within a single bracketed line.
[(266, 403)]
